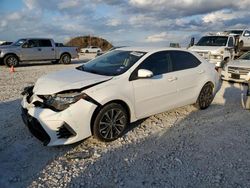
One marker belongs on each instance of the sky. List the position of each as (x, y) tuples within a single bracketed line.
[(122, 22)]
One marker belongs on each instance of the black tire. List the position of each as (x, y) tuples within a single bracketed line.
[(110, 122), (11, 60), (86, 51), (205, 97), (65, 59)]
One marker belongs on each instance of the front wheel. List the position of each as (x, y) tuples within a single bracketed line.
[(206, 97), (110, 122), (11, 60), (65, 59)]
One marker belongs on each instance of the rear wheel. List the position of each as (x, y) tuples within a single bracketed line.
[(65, 59), (206, 97), (110, 122), (11, 60)]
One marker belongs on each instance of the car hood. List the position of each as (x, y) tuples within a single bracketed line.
[(66, 80), (205, 48), (239, 63)]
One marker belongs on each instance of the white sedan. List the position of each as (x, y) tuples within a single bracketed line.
[(91, 49), (104, 96)]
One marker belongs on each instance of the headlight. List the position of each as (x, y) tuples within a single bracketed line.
[(60, 102)]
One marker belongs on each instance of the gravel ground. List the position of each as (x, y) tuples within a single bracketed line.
[(179, 148)]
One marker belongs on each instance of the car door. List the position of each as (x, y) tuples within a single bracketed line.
[(189, 73), (29, 50), (47, 50), (158, 93)]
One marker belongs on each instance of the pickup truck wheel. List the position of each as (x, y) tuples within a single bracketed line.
[(65, 59), (86, 51), (11, 60)]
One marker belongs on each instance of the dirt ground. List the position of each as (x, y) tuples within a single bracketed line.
[(184, 147)]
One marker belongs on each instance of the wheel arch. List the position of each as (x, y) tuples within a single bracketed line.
[(11, 54), (117, 101), (63, 53)]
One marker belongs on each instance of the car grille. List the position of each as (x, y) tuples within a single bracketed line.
[(239, 70), (205, 55)]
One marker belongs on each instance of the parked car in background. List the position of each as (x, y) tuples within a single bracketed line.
[(244, 37), (111, 49), (105, 95), (237, 70), (218, 49), (36, 49), (6, 43), (91, 49)]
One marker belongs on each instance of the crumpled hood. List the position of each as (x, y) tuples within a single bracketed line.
[(239, 63), (206, 48), (66, 80)]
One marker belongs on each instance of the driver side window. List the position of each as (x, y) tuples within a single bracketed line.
[(31, 44), (158, 63)]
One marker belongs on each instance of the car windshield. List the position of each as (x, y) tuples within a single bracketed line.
[(213, 41), (19, 42), (245, 56), (113, 63)]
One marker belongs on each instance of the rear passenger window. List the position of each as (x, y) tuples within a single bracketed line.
[(158, 63), (183, 60), (45, 43)]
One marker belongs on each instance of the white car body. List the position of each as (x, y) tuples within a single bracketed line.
[(142, 97), (1, 42), (91, 49), (216, 54)]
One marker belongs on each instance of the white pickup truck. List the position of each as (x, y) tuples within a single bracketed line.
[(36, 49), (216, 49)]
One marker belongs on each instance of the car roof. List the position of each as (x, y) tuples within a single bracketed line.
[(36, 39), (150, 49)]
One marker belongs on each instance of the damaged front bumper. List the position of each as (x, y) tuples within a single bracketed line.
[(57, 128)]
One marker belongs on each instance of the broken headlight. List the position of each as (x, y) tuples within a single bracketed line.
[(60, 102)]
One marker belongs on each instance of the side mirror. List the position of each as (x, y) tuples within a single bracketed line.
[(143, 73)]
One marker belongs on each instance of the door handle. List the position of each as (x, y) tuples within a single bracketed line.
[(39, 49), (171, 79), (52, 49), (201, 71)]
